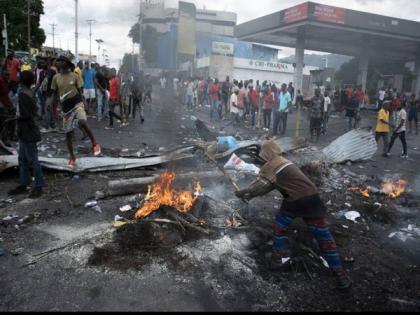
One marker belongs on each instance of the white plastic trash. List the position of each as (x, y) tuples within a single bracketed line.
[(352, 216), (240, 165), (118, 218), (91, 204), (126, 208)]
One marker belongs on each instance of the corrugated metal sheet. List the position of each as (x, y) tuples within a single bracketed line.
[(356, 145), (94, 165)]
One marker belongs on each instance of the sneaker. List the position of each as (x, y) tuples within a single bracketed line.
[(387, 155), (20, 190), (72, 162), (344, 282), (404, 156), (44, 130), (109, 128), (35, 193), (96, 149)]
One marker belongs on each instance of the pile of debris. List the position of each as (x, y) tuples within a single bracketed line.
[(166, 217)]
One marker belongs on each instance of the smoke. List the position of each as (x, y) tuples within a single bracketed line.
[(218, 191)]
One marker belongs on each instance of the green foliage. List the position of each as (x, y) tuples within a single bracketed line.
[(150, 42), (17, 18), (130, 63)]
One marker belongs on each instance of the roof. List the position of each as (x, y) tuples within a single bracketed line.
[(336, 30)]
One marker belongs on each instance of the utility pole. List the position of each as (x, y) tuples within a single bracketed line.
[(54, 26), (76, 50), (29, 28), (140, 36), (5, 36), (90, 22), (99, 41)]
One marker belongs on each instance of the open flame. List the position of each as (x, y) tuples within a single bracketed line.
[(363, 192), (394, 189), (162, 193)]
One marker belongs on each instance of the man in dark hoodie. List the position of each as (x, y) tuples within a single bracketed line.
[(29, 135), (302, 200)]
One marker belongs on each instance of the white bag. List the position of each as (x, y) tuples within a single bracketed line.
[(238, 164)]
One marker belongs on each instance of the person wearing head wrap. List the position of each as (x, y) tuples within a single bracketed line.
[(301, 199)]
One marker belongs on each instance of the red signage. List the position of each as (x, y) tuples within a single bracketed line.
[(297, 13), (325, 13)]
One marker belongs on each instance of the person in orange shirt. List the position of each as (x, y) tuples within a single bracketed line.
[(114, 99), (253, 96), (214, 92), (241, 101), (383, 127)]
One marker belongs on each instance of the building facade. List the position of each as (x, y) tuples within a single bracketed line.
[(218, 53)]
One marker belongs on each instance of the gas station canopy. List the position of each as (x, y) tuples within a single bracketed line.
[(336, 30)]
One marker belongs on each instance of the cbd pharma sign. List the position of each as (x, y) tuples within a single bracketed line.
[(270, 66)]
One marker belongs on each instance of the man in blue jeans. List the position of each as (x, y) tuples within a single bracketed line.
[(101, 83), (29, 135), (280, 118)]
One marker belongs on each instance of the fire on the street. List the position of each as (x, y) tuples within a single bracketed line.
[(162, 193), (393, 189), (363, 192)]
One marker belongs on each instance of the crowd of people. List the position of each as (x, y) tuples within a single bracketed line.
[(268, 105), (263, 105), (61, 89), (56, 88)]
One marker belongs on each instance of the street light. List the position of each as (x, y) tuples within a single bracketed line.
[(100, 42)]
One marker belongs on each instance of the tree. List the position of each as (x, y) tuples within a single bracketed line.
[(17, 26), (150, 42), (130, 64)]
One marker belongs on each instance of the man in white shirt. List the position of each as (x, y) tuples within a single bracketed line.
[(327, 110), (400, 130), (234, 110), (163, 83), (190, 94), (176, 81), (381, 97)]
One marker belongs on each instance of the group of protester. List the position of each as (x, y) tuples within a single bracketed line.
[(55, 86), (395, 113), (246, 102), (54, 82)]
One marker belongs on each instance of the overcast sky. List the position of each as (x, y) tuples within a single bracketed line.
[(115, 17)]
